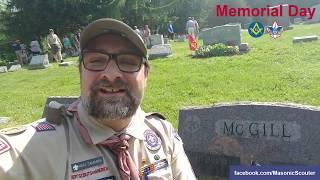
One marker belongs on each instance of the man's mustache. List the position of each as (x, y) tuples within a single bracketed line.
[(104, 83)]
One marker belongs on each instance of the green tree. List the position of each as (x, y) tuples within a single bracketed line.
[(155, 13), (199, 9), (25, 19)]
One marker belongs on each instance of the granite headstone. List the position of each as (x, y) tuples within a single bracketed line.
[(316, 15), (39, 62), (228, 34), (14, 68), (241, 133), (201, 30), (283, 20), (66, 100), (3, 69), (297, 20), (305, 39), (160, 51), (244, 47), (166, 40), (156, 39)]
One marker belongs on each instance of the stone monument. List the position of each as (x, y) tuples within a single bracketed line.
[(228, 34), (248, 133), (39, 62)]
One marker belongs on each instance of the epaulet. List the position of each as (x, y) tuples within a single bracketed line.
[(55, 113), (150, 114), (13, 130)]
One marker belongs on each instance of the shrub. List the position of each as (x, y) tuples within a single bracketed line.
[(44, 45), (216, 50), (6, 52), (2, 63)]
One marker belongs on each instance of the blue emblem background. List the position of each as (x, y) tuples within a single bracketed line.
[(260, 25)]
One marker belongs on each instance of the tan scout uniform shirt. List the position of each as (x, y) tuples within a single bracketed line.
[(55, 152), (53, 39)]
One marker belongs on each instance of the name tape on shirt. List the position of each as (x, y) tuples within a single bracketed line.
[(88, 173), (86, 164)]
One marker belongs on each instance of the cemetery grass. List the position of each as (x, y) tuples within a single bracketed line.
[(274, 70)]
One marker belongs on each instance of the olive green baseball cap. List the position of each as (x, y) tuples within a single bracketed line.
[(108, 25)]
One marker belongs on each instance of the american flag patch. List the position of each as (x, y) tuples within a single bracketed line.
[(44, 126), (4, 147)]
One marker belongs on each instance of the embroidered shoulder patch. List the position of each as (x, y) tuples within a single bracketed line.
[(4, 146), (43, 126)]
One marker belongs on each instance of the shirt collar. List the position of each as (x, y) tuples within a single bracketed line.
[(137, 126), (99, 133)]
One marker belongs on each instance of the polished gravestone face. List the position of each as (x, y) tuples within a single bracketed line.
[(227, 34), (230, 134)]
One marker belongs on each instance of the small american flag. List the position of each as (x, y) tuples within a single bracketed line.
[(44, 126)]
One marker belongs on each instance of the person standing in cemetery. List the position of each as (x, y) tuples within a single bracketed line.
[(170, 31), (146, 35), (67, 45), (105, 134), (196, 27), (55, 45), (137, 31), (17, 49), (35, 47), (190, 27), (76, 40), (23, 54)]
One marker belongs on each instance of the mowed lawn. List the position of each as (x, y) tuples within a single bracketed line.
[(275, 70)]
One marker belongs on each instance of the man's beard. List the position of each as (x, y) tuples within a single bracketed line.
[(105, 109)]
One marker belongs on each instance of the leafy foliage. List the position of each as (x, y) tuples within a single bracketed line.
[(26, 19), (3, 63), (216, 50)]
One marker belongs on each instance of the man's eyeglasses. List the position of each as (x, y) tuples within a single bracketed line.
[(97, 60)]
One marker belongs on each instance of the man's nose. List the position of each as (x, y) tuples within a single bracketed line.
[(112, 72)]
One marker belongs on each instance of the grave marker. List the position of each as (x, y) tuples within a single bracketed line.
[(240, 133)]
